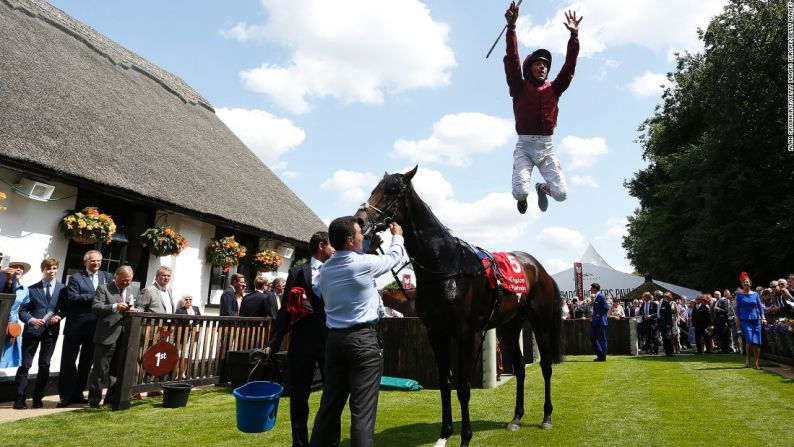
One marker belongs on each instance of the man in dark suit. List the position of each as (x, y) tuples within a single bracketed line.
[(111, 302), (598, 324), (650, 323), (258, 303), (41, 313), (666, 321), (701, 320), (231, 297), (79, 332), (307, 339)]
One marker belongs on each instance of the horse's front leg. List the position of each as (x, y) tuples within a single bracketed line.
[(440, 343), (512, 332), (465, 363)]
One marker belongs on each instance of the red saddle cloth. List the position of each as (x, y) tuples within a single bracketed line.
[(510, 272)]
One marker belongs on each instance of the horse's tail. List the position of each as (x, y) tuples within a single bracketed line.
[(557, 342)]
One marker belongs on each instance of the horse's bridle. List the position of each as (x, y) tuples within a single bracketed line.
[(387, 214)]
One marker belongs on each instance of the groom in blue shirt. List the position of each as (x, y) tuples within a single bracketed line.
[(353, 357)]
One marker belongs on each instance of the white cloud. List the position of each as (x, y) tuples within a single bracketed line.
[(616, 229), (483, 221), (605, 68), (245, 32), (456, 138), (583, 151), (267, 135), (353, 186), (652, 24), (648, 84), (585, 180), (344, 49), (431, 186), (561, 238), (554, 265)]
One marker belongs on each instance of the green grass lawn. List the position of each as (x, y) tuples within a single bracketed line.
[(639, 401)]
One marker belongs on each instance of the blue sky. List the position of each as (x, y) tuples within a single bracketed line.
[(332, 93)]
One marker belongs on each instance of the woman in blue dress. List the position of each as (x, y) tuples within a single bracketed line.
[(751, 316)]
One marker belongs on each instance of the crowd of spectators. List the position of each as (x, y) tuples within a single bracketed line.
[(703, 324)]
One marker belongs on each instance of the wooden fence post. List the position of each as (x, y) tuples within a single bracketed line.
[(128, 361)]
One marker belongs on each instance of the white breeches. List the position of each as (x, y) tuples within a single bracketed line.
[(537, 150)]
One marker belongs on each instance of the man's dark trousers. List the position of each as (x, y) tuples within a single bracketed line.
[(651, 337), (30, 343), (77, 341), (598, 337), (354, 365), (301, 375)]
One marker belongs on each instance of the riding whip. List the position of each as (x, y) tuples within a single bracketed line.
[(500, 34)]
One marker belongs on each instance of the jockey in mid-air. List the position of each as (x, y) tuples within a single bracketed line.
[(535, 110)]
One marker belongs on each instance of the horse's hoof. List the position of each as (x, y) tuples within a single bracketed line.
[(546, 426), (440, 443), (513, 426)]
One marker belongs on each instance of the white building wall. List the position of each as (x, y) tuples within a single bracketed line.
[(29, 228), (29, 232)]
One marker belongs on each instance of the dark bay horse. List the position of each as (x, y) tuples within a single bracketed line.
[(455, 302)]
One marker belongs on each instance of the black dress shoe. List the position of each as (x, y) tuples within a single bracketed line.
[(37, 403), (63, 403), (20, 405)]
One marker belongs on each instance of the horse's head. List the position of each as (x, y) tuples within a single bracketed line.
[(386, 203)]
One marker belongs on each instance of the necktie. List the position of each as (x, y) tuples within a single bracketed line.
[(95, 280), (47, 292)]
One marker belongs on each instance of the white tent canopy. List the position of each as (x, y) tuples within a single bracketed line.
[(613, 282)]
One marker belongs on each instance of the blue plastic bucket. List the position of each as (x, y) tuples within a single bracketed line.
[(257, 406)]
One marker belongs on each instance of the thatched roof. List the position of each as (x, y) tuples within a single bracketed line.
[(647, 286), (78, 107)]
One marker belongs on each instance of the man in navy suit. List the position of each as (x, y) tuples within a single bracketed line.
[(259, 303), (307, 339), (79, 332), (231, 297), (598, 324), (41, 312), (650, 323)]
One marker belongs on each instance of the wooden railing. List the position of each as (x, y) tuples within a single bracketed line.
[(202, 342)]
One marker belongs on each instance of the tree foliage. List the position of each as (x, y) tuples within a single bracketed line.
[(717, 197)]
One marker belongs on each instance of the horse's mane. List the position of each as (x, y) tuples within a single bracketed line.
[(395, 182)]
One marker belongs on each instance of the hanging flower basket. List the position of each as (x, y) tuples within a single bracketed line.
[(164, 241), (267, 261), (225, 252), (88, 226)]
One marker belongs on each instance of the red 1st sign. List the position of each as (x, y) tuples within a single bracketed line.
[(160, 358)]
